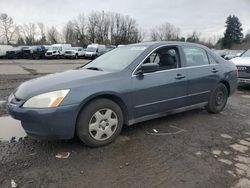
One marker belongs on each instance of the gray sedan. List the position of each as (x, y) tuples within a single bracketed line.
[(127, 85)]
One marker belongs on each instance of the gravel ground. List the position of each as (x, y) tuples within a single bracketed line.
[(191, 149)]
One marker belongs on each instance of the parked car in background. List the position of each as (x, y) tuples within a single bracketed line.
[(109, 48), (128, 85), (120, 45), (57, 50), (243, 65), (232, 54), (94, 50), (221, 53), (229, 54), (35, 52), (46, 47), (4, 49), (16, 52), (75, 52)]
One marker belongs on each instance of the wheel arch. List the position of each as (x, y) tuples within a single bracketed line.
[(226, 83), (111, 96)]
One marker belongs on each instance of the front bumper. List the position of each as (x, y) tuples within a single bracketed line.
[(69, 55), (58, 123), (90, 55)]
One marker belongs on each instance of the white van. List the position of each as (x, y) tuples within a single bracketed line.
[(4, 49), (57, 50), (94, 50)]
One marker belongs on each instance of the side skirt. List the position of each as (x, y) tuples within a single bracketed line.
[(162, 114)]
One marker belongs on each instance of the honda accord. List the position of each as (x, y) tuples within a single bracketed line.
[(127, 85)]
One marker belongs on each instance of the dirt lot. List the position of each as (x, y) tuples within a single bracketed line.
[(191, 149)]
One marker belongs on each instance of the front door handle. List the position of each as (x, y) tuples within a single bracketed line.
[(214, 70), (179, 76)]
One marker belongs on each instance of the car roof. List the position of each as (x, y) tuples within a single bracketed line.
[(160, 43)]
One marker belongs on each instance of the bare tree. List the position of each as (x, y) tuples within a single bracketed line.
[(53, 35), (29, 32), (42, 38), (165, 31), (7, 27), (69, 34), (92, 26), (19, 36), (101, 27), (80, 29), (103, 24), (124, 30), (194, 37)]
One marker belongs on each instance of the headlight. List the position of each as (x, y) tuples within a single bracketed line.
[(46, 100)]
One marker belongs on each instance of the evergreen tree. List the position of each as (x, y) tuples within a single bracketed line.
[(233, 33)]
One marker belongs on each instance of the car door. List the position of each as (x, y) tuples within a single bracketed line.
[(162, 90), (203, 74)]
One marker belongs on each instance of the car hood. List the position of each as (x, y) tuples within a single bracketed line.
[(57, 81), (241, 61)]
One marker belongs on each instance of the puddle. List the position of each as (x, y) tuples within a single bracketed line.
[(10, 128)]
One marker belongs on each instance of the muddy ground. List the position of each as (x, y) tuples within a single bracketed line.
[(191, 149)]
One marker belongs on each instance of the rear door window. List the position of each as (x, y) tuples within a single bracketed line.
[(195, 56)]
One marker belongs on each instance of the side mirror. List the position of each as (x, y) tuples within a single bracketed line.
[(148, 68)]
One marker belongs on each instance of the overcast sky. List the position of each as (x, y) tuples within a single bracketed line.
[(204, 16)]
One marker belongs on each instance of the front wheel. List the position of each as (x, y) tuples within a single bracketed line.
[(218, 99), (99, 123)]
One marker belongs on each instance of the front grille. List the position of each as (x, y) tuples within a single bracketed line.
[(26, 51), (49, 53), (68, 52), (10, 52)]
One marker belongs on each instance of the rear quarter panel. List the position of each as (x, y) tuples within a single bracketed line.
[(230, 75)]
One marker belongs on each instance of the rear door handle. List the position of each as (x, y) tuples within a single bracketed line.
[(214, 70), (179, 76)]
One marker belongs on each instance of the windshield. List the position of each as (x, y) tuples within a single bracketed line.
[(53, 48), (246, 54), (91, 49), (117, 59)]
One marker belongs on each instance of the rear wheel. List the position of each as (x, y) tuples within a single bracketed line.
[(99, 123), (218, 99)]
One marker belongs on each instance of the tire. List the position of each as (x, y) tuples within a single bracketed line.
[(76, 56), (99, 123), (218, 99)]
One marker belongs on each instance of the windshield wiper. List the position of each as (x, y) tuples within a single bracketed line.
[(94, 68)]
